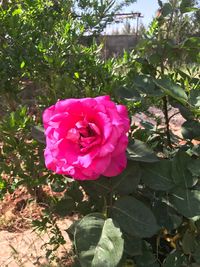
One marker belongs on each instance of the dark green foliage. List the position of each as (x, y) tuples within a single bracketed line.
[(134, 217)]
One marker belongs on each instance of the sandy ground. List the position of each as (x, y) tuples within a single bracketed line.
[(24, 249)]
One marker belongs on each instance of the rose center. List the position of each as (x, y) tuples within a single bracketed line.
[(86, 134)]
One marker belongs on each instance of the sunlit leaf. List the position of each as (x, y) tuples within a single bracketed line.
[(98, 241)]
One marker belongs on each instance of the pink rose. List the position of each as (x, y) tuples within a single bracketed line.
[(86, 138)]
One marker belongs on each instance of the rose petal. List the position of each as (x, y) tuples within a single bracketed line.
[(117, 165)]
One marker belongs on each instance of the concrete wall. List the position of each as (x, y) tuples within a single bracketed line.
[(113, 45)]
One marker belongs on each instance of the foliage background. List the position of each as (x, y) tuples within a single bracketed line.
[(148, 215)]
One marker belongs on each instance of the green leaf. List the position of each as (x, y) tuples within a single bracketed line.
[(185, 112), (196, 254), (22, 64), (128, 93), (175, 259), (147, 258), (75, 192), (58, 186), (76, 262), (134, 217), (160, 3), (124, 183), (188, 242), (195, 98), (76, 75), (37, 133), (172, 89), (17, 11), (194, 151), (158, 175), (191, 130), (166, 216), (191, 43), (128, 180), (166, 9), (65, 206), (98, 242), (138, 151), (71, 230), (110, 246), (101, 186), (132, 245), (187, 6), (187, 202), (146, 85), (180, 173), (194, 167)]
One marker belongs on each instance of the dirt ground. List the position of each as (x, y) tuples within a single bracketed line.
[(20, 245), (24, 249)]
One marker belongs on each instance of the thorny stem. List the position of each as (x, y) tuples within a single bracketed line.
[(165, 110), (165, 102)]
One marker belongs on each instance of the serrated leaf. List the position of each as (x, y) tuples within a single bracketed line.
[(134, 217), (138, 151), (158, 175)]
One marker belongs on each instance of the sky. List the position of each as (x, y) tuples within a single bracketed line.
[(148, 9)]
